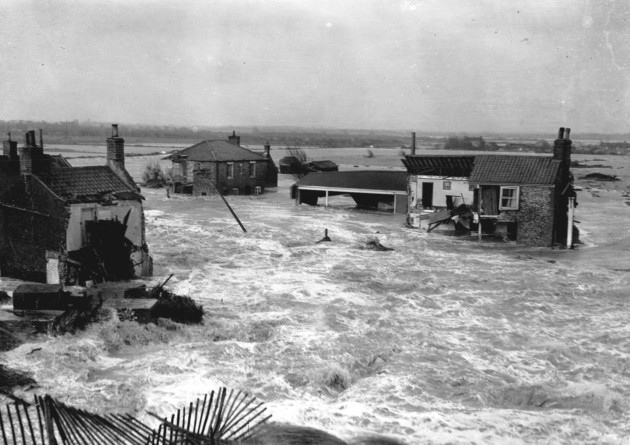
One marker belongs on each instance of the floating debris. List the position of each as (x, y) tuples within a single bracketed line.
[(375, 244), (325, 238)]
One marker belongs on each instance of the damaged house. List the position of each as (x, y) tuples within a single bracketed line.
[(64, 224), (208, 166), (526, 198)]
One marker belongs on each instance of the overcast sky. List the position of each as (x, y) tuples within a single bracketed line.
[(423, 65)]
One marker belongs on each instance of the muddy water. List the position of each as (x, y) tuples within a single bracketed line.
[(441, 340)]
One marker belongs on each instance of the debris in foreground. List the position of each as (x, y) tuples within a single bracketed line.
[(223, 417)]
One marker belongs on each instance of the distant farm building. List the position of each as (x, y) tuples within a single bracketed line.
[(526, 198), (289, 165), (64, 224), (322, 166), (208, 166), (369, 189)]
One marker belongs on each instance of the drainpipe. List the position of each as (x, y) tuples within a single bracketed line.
[(479, 212), (570, 223)]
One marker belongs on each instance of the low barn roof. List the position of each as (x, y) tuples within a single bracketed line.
[(84, 183), (325, 165), (216, 151), (515, 170), (365, 179), (439, 165)]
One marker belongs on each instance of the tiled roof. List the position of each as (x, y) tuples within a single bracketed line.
[(439, 165), (510, 170), (366, 179), (81, 183), (217, 151)]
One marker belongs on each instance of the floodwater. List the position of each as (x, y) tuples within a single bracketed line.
[(442, 340)]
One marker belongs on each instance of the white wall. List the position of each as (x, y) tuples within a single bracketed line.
[(74, 235), (459, 187)]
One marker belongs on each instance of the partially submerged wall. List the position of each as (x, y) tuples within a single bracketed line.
[(535, 216), (207, 173)]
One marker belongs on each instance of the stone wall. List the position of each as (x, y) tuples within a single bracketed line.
[(535, 216)]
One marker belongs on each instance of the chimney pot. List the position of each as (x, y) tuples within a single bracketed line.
[(567, 132), (114, 130), (561, 133)]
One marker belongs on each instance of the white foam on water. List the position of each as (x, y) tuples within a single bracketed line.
[(441, 340)]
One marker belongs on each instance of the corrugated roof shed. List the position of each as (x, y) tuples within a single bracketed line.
[(365, 179), (439, 165), (216, 151), (514, 170), (77, 183)]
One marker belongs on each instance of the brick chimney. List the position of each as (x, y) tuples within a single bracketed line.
[(413, 142), (28, 152), (116, 150), (234, 139), (562, 151), (267, 150), (9, 148)]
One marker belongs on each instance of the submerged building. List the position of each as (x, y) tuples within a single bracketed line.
[(68, 225), (526, 198), (223, 166)]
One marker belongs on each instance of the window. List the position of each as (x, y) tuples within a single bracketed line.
[(241, 169), (446, 185), (509, 198), (252, 169), (230, 170)]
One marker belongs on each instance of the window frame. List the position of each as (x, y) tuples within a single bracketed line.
[(252, 169), (230, 170), (514, 198)]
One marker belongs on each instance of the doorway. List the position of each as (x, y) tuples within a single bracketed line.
[(427, 195)]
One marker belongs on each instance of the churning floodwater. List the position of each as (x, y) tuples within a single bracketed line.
[(440, 340)]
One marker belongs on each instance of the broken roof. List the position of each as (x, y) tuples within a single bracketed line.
[(515, 170), (216, 151), (439, 165), (365, 179), (86, 183)]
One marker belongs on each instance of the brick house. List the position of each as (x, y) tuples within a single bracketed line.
[(64, 224), (224, 165), (523, 197)]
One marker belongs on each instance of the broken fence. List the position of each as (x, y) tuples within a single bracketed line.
[(220, 418)]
